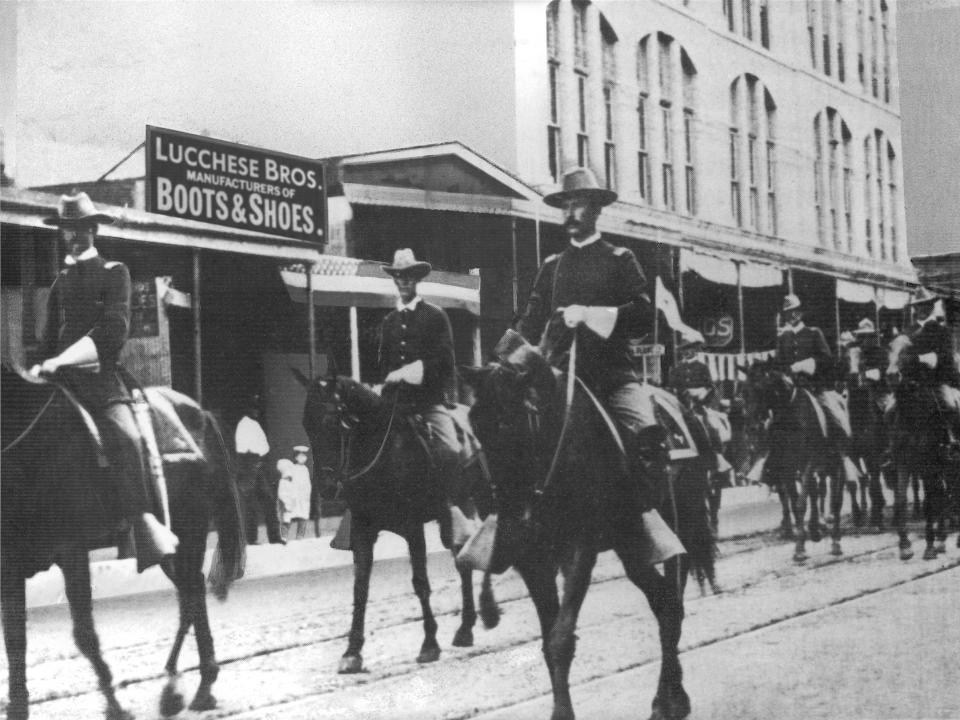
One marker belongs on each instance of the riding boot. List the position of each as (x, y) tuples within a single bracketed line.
[(647, 458), (154, 541)]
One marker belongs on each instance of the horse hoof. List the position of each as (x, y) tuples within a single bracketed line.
[(203, 702), (836, 550), (428, 655), (716, 588), (800, 556), (905, 552), (171, 701), (489, 611), (941, 546), (816, 534), (18, 709), (930, 553), (350, 664), (463, 637), (562, 713)]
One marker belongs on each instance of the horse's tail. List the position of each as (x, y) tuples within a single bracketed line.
[(230, 556)]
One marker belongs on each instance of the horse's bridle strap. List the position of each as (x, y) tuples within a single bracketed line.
[(376, 458), (33, 423)]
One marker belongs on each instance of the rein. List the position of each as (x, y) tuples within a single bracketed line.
[(345, 450), (33, 423)]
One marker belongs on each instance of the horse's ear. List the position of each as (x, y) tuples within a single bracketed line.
[(301, 378)]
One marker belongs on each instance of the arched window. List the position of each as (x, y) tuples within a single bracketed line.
[(885, 39), (689, 133), (868, 208), (554, 145), (832, 197), (894, 202), (609, 44), (643, 120), (752, 152), (666, 84)]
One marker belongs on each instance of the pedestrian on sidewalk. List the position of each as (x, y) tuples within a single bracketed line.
[(257, 488), (294, 492)]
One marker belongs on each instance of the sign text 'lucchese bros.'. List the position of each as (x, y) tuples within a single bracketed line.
[(203, 179)]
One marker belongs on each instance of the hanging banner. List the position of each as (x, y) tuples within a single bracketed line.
[(200, 178)]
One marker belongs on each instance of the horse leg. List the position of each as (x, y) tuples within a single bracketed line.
[(14, 609), (539, 576), (665, 595), (816, 482), (171, 700), (900, 510), (799, 513), (562, 642), (468, 615), (836, 503), (786, 524), (489, 610), (933, 505), (430, 650), (877, 501), (76, 578), (917, 504), (362, 541), (191, 584)]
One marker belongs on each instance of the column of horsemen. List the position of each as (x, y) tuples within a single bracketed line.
[(591, 283)]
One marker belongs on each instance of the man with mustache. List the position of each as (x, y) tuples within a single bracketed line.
[(600, 286)]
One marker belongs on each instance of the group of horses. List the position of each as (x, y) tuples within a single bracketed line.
[(900, 437), (552, 472)]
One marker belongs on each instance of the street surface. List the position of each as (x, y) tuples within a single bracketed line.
[(861, 636)]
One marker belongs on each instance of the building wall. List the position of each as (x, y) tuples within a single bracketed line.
[(799, 91), (310, 78)]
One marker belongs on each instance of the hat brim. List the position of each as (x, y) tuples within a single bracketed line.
[(418, 269), (864, 332), (95, 219), (598, 196)]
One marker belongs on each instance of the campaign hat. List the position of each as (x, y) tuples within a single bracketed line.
[(865, 327), (580, 182), (405, 263), (791, 302), (75, 210)]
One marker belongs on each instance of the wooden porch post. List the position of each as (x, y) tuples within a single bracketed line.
[(311, 324), (197, 345)]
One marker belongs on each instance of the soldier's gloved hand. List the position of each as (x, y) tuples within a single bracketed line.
[(47, 367), (573, 315), (928, 359), (807, 366), (873, 374), (411, 373)]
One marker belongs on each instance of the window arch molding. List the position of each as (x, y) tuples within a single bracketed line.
[(752, 154)]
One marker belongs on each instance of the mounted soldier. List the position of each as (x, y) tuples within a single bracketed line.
[(596, 284), (802, 352), (934, 364), (88, 322), (419, 372)]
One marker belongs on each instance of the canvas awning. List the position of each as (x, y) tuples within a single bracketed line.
[(724, 271), (351, 282)]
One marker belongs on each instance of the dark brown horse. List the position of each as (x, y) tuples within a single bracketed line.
[(57, 505), (365, 450), (560, 519), (799, 446), (922, 446)]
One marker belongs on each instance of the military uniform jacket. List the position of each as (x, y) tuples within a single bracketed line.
[(932, 337), (803, 344), (690, 374), (91, 298), (598, 274), (423, 333)]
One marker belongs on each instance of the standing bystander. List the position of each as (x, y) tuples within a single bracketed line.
[(256, 489)]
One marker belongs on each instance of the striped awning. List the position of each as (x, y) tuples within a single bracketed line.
[(348, 282), (723, 366)]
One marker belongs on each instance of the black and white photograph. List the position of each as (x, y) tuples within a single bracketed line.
[(480, 359)]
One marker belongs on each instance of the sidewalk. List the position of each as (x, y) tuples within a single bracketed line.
[(111, 577)]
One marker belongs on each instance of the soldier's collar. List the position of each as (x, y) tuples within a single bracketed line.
[(794, 328), (88, 254), (586, 241), (412, 305)]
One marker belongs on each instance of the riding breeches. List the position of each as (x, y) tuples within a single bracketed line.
[(443, 441), (127, 459), (632, 406)]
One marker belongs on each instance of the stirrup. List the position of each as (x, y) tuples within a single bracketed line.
[(154, 541)]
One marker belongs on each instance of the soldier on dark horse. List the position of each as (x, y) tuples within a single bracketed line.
[(925, 421), (863, 373), (88, 320)]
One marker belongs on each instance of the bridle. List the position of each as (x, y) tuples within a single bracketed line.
[(348, 423), (43, 410)]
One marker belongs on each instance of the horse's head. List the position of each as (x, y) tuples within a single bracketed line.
[(334, 409), (766, 390)]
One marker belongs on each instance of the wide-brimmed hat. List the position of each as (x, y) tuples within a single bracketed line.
[(924, 296), (580, 182), (791, 302), (76, 210), (406, 263), (865, 327)]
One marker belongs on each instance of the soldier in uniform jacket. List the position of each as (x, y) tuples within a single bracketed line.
[(935, 365), (871, 360), (88, 321), (417, 362), (601, 286), (690, 378)]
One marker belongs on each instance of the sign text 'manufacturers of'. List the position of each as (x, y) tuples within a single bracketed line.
[(199, 178)]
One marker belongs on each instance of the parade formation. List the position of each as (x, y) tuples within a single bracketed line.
[(521, 390)]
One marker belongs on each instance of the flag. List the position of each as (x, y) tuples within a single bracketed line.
[(667, 304)]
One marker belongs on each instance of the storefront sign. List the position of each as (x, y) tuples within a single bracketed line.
[(199, 178), (717, 331)]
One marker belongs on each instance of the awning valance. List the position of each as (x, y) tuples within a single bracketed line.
[(855, 292), (346, 282), (724, 272)]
